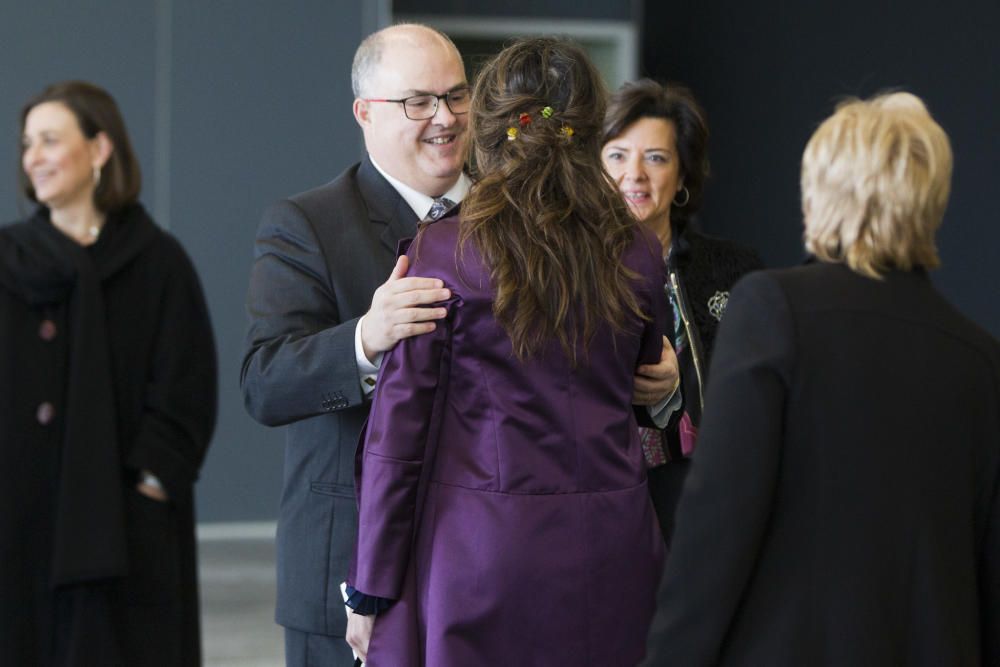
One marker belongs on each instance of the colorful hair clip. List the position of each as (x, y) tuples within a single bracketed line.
[(511, 133), (524, 119), (566, 131), (547, 112)]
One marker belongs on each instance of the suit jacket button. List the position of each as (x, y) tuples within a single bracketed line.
[(46, 413), (47, 330)]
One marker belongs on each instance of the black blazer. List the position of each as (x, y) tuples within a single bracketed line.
[(843, 505), (319, 257)]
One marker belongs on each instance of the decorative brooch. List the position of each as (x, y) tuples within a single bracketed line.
[(717, 304), (524, 120)]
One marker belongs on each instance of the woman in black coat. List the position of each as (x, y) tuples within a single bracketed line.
[(843, 506), (655, 146), (107, 404)]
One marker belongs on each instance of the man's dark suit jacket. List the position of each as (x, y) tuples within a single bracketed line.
[(319, 257), (843, 507)]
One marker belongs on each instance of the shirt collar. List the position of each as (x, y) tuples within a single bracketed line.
[(418, 201)]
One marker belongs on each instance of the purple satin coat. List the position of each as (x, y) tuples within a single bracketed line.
[(504, 504)]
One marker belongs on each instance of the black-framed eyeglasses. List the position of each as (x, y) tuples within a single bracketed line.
[(422, 107)]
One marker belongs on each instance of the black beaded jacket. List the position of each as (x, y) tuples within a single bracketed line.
[(701, 270)]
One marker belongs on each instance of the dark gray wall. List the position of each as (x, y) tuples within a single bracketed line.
[(261, 106), (231, 105), (622, 10), (769, 72), (43, 42)]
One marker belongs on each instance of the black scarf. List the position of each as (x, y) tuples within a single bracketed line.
[(44, 267)]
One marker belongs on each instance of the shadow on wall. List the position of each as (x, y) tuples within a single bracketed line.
[(769, 72)]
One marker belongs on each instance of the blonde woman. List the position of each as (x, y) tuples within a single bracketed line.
[(851, 448)]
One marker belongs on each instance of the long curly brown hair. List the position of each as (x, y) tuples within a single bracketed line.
[(543, 212)]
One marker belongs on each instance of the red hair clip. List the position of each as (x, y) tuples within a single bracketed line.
[(524, 119)]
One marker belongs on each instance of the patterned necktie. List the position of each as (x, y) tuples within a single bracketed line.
[(440, 206)]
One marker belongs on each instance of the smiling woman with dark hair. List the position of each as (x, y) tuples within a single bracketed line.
[(655, 146), (107, 403)]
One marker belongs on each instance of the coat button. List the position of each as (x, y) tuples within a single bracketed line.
[(46, 413), (47, 330)]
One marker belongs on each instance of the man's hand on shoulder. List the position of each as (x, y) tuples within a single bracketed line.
[(399, 310)]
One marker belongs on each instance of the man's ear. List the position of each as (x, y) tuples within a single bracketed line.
[(362, 112)]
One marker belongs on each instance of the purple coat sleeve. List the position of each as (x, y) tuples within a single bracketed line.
[(652, 279), (399, 438)]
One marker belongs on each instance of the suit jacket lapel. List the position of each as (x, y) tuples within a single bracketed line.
[(385, 206)]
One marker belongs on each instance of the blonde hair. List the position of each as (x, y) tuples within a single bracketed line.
[(875, 182)]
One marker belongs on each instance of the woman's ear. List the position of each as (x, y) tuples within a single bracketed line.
[(101, 149)]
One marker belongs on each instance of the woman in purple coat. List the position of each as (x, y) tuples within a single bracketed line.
[(504, 517)]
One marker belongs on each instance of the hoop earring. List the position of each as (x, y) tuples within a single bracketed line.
[(687, 198), (97, 176)]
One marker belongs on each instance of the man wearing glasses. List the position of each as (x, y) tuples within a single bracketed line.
[(322, 312)]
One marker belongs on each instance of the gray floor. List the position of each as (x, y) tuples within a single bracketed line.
[(237, 602)]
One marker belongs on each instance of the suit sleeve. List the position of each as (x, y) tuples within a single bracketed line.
[(399, 440), (180, 397), (727, 498), (299, 360)]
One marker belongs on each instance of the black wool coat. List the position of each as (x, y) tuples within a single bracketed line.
[(126, 595), (843, 506)]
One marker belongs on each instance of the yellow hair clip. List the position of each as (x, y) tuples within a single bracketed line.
[(511, 133), (566, 131)]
